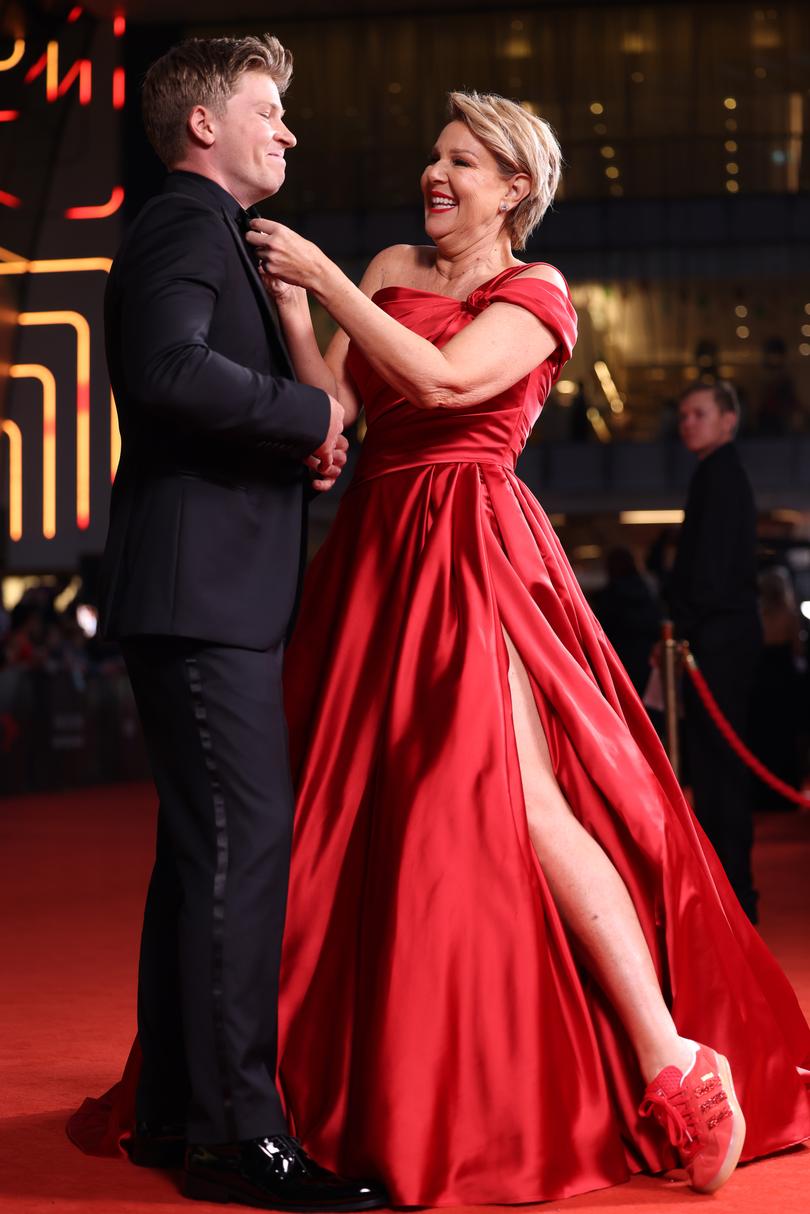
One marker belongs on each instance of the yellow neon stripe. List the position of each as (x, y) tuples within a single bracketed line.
[(12, 263), (46, 378), (15, 518), (52, 71), (14, 58), (82, 329), (115, 438)]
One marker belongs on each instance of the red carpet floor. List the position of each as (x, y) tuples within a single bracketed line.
[(74, 870)]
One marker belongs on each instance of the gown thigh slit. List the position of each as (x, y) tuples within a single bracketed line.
[(435, 1029)]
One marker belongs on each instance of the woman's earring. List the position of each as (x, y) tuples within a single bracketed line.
[(503, 207)]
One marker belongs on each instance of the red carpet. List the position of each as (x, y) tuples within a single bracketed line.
[(73, 878)]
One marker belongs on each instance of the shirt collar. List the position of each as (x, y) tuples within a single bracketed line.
[(217, 193)]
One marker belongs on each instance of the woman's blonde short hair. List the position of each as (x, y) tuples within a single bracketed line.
[(521, 143)]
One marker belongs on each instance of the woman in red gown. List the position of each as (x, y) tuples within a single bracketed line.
[(505, 927), (504, 921)]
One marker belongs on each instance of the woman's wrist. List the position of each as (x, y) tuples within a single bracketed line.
[(326, 280), (293, 300)]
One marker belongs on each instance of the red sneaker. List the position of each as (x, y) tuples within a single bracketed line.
[(699, 1110)]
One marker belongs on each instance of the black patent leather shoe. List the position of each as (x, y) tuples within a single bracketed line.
[(157, 1146), (274, 1174)]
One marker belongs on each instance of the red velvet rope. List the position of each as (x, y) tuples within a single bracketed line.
[(735, 742)]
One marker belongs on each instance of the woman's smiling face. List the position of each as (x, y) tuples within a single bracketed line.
[(462, 188)]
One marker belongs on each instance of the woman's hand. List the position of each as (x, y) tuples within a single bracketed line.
[(284, 254), (281, 292)]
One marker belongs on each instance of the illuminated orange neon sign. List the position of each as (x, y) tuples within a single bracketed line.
[(14, 58), (15, 515), (82, 70), (12, 264), (82, 330), (102, 211), (48, 382), (60, 74), (80, 73)]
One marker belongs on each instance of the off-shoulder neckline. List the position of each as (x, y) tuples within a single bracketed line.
[(515, 270)]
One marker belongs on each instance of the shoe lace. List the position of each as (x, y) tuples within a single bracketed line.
[(676, 1114)]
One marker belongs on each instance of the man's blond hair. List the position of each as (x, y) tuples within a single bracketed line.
[(203, 71)]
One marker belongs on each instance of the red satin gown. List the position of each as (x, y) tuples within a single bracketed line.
[(437, 1030)]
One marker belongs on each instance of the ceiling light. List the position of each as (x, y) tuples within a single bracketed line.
[(608, 386), (566, 387), (636, 518)]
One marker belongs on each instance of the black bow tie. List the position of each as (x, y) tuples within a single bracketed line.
[(244, 218)]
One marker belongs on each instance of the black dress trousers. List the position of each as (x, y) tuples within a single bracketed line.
[(208, 981), (720, 781)]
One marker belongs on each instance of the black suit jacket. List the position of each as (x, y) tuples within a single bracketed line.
[(206, 516), (713, 588)]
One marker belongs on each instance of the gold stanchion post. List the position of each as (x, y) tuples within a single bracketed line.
[(669, 676)]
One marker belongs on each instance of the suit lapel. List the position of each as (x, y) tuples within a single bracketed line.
[(265, 303)]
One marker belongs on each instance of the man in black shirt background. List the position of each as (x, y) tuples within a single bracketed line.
[(713, 599)]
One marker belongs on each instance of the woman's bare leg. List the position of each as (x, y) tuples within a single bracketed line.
[(590, 895)]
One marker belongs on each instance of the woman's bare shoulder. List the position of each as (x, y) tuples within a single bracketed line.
[(546, 273), (398, 265)]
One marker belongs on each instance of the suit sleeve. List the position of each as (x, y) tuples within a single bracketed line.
[(170, 285)]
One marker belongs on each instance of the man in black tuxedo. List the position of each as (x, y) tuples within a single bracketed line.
[(713, 598), (200, 574)]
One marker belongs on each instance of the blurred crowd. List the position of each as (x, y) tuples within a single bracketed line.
[(67, 717), (36, 635)]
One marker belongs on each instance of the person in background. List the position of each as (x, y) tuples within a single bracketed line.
[(713, 599), (627, 610)]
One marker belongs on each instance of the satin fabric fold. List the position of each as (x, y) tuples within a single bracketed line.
[(436, 1028)]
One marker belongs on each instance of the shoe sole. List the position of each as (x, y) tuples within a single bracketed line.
[(737, 1140), (199, 1189)]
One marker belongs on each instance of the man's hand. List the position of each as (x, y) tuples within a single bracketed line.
[(323, 460), (324, 478)]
